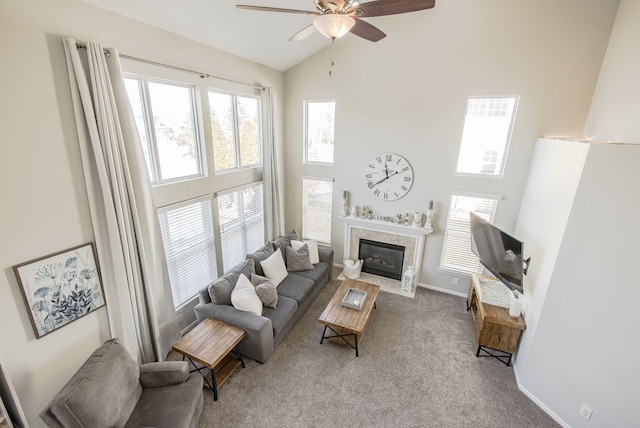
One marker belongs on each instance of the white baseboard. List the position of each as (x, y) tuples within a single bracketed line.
[(535, 399), (443, 290)]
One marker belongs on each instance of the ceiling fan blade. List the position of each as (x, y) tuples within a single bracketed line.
[(276, 9), (367, 31), (303, 34), (391, 7)]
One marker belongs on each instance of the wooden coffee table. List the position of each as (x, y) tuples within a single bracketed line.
[(211, 344), (346, 323)]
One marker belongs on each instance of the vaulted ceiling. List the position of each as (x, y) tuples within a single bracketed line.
[(258, 36)]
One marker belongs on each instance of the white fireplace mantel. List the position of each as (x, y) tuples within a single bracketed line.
[(411, 237)]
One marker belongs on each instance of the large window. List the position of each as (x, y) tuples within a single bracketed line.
[(486, 134), (319, 130), (457, 257), (241, 213), (187, 234), (235, 130), (317, 195), (165, 115)]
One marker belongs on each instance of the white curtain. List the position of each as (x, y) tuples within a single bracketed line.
[(274, 210), (125, 224)]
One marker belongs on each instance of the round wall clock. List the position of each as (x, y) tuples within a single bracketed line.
[(388, 176)]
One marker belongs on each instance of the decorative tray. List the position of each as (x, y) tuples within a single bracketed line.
[(494, 293), (354, 298)]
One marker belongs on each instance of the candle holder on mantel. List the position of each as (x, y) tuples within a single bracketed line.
[(427, 224)]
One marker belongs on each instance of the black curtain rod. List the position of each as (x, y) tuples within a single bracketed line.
[(173, 67)]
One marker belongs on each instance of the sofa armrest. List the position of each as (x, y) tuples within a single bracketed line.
[(326, 255), (258, 342), (153, 375)]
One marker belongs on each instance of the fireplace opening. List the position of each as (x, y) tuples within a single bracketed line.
[(381, 258)]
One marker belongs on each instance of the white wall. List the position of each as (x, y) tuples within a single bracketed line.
[(615, 108), (554, 176), (407, 94), (44, 206), (583, 347)]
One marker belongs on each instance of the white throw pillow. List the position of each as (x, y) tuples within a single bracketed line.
[(244, 296), (274, 268), (312, 245)]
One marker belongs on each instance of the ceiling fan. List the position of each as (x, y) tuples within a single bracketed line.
[(335, 18)]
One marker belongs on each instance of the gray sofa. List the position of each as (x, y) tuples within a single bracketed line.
[(112, 390), (295, 294)]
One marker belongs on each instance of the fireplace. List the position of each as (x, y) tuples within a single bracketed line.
[(381, 258)]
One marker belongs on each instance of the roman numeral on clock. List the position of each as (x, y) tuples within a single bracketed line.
[(389, 158), (370, 184), (376, 192)]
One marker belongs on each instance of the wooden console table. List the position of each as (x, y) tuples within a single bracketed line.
[(495, 329)]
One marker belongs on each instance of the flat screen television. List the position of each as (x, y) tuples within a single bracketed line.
[(498, 251)]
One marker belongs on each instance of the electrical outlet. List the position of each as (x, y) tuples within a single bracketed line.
[(585, 411), (455, 281)]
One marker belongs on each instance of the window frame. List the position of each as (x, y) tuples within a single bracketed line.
[(507, 143), (152, 141), (305, 158), (236, 131)]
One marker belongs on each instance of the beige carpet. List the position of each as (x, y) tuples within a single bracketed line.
[(417, 368)]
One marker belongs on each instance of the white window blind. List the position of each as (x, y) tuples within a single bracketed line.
[(317, 195), (241, 213), (187, 234), (456, 250)]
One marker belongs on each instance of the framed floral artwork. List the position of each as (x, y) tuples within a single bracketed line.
[(60, 288)]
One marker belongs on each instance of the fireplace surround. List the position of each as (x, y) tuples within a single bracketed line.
[(411, 238)]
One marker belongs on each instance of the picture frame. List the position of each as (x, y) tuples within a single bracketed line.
[(60, 288)]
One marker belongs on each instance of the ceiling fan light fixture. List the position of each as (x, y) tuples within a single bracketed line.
[(333, 26)]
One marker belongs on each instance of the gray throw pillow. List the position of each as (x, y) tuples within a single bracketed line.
[(298, 260), (283, 242), (265, 289), (260, 255), (220, 290)]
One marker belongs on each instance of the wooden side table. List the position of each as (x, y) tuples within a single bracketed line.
[(211, 344), (495, 329)]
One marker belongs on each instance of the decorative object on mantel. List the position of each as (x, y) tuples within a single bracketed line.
[(427, 224), (60, 288), (345, 204), (354, 210), (417, 219), (406, 219)]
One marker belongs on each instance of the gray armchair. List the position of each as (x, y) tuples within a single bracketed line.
[(112, 390)]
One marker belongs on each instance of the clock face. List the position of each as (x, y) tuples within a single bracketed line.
[(388, 176)]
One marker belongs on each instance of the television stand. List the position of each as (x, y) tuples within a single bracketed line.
[(496, 331)]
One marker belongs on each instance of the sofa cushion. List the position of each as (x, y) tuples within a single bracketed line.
[(298, 260), (169, 406), (282, 314), (244, 296), (103, 392), (283, 242), (260, 255), (318, 271), (266, 290), (296, 287), (274, 268), (220, 290), (312, 245)]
